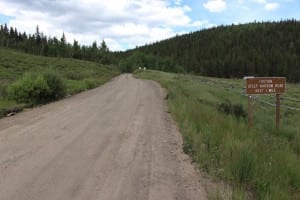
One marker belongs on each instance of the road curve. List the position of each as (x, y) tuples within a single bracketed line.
[(113, 142)]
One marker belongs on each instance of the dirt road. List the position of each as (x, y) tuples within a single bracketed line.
[(114, 142)]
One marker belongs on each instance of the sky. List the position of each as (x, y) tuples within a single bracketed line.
[(125, 24)]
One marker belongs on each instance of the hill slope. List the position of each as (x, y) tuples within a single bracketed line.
[(77, 75), (260, 49)]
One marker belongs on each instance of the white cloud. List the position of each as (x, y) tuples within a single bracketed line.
[(260, 1), (268, 6), (177, 2), (120, 22), (215, 5), (271, 6)]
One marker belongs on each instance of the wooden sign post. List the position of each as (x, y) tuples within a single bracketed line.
[(277, 110), (250, 111), (264, 85)]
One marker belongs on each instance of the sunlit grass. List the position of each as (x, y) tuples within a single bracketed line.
[(77, 75), (263, 161)]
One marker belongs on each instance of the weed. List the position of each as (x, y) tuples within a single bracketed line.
[(243, 165)]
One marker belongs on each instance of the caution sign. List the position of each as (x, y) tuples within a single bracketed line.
[(265, 85)]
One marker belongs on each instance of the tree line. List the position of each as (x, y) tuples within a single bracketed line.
[(39, 44), (131, 62), (259, 49)]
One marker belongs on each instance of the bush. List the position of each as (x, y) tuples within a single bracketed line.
[(21, 90), (56, 86), (234, 109), (90, 84), (36, 89), (40, 90)]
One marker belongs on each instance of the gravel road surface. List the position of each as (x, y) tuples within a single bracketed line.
[(114, 142)]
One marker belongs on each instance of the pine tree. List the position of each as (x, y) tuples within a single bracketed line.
[(94, 51), (63, 46), (76, 50)]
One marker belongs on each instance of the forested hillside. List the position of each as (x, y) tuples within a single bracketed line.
[(40, 44), (260, 49)]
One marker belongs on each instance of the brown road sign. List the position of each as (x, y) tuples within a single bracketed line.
[(266, 85)]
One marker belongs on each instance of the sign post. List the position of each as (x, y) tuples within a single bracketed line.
[(277, 110), (264, 85), (250, 111)]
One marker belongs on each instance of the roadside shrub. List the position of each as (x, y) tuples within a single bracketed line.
[(21, 90), (40, 90), (233, 109), (56, 86), (90, 84), (238, 111), (36, 89)]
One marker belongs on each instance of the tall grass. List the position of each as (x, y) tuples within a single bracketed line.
[(263, 161)]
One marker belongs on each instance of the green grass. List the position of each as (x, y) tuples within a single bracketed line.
[(77, 75), (262, 163)]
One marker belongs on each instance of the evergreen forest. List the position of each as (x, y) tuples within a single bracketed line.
[(232, 51), (40, 44), (256, 49)]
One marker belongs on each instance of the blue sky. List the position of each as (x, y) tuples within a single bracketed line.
[(125, 24)]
